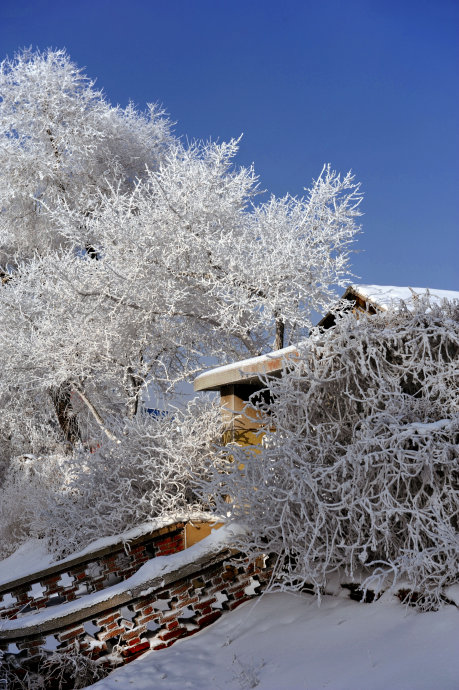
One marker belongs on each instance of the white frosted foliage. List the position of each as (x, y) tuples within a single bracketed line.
[(127, 260), (359, 469)]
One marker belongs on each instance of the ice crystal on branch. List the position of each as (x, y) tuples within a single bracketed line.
[(359, 469), (128, 259)]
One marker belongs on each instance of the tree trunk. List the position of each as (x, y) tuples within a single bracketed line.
[(279, 339), (136, 383), (61, 397)]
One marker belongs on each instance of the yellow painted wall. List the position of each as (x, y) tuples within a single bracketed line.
[(196, 531)]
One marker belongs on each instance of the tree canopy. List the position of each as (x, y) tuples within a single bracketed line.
[(127, 256)]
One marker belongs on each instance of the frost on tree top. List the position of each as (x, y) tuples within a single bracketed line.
[(366, 297)]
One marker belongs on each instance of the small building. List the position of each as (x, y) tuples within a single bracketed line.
[(236, 382)]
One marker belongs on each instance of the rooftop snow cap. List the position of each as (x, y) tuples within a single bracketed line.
[(387, 296), (365, 297)]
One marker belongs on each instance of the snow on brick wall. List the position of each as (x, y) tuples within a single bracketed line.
[(119, 632), (92, 573)]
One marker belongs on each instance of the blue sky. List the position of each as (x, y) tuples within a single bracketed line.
[(371, 86)]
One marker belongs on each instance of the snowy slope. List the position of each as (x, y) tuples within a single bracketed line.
[(285, 642)]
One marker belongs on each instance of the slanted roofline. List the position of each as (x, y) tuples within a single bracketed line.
[(385, 297), (369, 298), (373, 298), (244, 371)]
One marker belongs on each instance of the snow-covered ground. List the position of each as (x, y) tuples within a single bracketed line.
[(286, 642)]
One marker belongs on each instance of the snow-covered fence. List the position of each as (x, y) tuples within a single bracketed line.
[(163, 600), (92, 571)]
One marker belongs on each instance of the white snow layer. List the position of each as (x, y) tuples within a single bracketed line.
[(287, 642), (387, 296), (250, 363), (152, 569)]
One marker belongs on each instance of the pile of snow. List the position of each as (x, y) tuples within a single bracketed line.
[(286, 641)]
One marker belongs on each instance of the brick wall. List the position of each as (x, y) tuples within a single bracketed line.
[(90, 573), (187, 600)]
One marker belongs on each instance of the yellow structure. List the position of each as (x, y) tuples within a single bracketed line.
[(236, 383), (197, 531)]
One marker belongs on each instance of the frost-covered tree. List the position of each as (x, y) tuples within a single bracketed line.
[(63, 144), (127, 257), (359, 470), (71, 500), (63, 147)]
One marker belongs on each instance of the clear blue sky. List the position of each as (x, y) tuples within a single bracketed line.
[(368, 85)]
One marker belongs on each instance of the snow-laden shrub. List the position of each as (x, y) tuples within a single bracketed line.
[(69, 670), (70, 500), (31, 485), (359, 469)]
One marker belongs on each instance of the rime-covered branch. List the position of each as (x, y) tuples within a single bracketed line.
[(359, 472)]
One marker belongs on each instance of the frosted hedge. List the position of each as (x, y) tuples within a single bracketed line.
[(359, 470)]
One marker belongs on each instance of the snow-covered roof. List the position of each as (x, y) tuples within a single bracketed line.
[(384, 297), (388, 296), (242, 370)]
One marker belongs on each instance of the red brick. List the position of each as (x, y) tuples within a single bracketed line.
[(188, 602), (72, 633), (205, 604), (166, 551), (234, 604), (144, 619), (239, 587), (132, 634), (137, 649), (178, 632), (27, 644), (112, 568), (140, 606), (145, 611), (173, 625), (167, 619), (218, 588), (110, 633), (160, 646), (210, 618), (108, 619)]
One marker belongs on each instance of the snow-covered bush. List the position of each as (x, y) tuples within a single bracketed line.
[(70, 500), (360, 466), (69, 670)]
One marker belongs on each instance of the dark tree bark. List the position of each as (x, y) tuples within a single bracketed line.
[(279, 339), (61, 397)]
